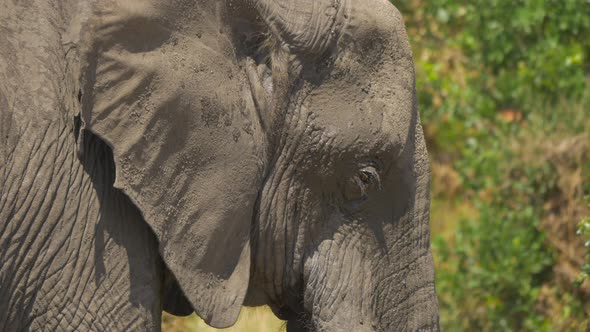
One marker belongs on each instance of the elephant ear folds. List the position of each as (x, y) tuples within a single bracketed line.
[(307, 26), (186, 141)]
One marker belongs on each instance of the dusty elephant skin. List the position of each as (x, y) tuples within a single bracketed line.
[(203, 155)]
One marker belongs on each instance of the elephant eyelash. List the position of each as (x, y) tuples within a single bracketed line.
[(369, 176), (359, 186)]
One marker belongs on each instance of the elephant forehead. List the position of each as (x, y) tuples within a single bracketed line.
[(364, 119)]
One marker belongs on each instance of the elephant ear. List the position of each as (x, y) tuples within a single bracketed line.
[(306, 26), (162, 87)]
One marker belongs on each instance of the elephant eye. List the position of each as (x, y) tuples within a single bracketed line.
[(369, 176), (358, 187)]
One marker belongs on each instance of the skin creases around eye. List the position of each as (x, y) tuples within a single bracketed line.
[(370, 176), (365, 177), (358, 187)]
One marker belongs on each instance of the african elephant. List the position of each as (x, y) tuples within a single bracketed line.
[(209, 154)]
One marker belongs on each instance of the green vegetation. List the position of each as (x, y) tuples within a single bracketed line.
[(584, 231), (250, 320), (505, 102)]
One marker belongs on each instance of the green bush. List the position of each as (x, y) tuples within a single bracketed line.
[(475, 58), (494, 80), (499, 259), (522, 44), (584, 231)]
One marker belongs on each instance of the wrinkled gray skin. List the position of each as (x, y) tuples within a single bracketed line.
[(208, 154)]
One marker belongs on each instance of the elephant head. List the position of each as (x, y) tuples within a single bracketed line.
[(274, 147)]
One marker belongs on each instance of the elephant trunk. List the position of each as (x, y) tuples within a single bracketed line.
[(405, 291), (404, 294), (385, 288)]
